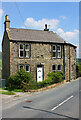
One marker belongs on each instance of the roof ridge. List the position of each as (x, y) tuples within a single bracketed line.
[(30, 29)]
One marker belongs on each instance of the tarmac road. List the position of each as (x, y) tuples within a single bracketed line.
[(58, 102)]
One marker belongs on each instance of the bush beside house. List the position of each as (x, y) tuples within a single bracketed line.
[(23, 80), (78, 69), (19, 79)]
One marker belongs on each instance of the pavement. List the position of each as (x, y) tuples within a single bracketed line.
[(59, 102)]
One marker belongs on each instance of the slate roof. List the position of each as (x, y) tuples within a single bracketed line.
[(34, 35)]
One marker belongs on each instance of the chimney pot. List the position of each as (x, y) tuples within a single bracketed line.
[(6, 17), (46, 29), (45, 26), (6, 23)]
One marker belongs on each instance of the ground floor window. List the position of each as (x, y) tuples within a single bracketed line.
[(59, 67), (21, 66), (26, 67), (56, 68)]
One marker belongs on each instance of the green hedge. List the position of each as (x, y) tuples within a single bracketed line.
[(56, 76), (53, 77), (19, 79), (78, 69), (22, 80)]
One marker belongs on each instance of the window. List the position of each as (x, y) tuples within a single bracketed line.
[(27, 68), (59, 67), (24, 50), (21, 50), (58, 51), (54, 51), (27, 50), (54, 68), (21, 66)]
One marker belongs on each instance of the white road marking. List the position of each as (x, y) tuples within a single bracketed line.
[(62, 103)]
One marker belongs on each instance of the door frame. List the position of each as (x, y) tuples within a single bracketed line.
[(42, 69)]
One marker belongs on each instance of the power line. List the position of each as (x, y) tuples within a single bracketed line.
[(21, 17)]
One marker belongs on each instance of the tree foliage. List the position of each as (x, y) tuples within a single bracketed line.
[(19, 79)]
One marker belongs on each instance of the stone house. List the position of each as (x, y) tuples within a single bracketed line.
[(36, 51)]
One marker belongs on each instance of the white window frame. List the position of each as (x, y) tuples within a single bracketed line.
[(27, 50), (29, 68), (21, 50), (54, 51), (21, 65), (59, 51), (55, 68), (61, 67)]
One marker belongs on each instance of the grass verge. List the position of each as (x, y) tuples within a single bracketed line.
[(13, 90), (7, 92)]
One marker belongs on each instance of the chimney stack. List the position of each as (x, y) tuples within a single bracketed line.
[(46, 29), (6, 23)]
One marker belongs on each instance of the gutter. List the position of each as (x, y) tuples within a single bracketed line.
[(46, 42)]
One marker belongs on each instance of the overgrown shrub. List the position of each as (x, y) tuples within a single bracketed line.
[(32, 85), (47, 82), (19, 79), (56, 76), (78, 69), (22, 80)]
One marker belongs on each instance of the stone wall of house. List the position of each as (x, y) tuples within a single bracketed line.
[(42, 54), (66, 48), (73, 62), (5, 57), (70, 62)]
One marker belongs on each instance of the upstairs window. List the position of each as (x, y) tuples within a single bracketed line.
[(58, 51), (59, 67), (54, 51), (54, 68), (24, 50), (27, 50), (21, 50)]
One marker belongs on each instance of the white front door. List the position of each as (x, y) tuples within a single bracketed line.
[(39, 74)]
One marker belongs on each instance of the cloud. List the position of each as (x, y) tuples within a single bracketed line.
[(32, 23), (63, 17), (72, 37), (69, 36), (1, 13)]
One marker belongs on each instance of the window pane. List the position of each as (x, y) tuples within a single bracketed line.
[(59, 67), (21, 67), (58, 48), (54, 54), (21, 46), (27, 46), (54, 47), (27, 54), (27, 68), (21, 54), (59, 54), (54, 67)]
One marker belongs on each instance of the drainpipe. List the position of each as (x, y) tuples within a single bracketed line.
[(64, 60), (69, 65)]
